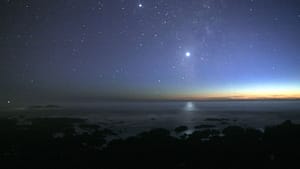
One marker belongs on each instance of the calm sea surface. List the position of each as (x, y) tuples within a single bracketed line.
[(133, 117)]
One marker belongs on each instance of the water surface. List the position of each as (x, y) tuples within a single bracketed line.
[(133, 117)]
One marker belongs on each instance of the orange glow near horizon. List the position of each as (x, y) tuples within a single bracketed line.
[(254, 92)]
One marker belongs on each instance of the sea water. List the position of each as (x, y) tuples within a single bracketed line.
[(134, 117)]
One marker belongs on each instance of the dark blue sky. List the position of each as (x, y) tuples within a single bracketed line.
[(70, 51)]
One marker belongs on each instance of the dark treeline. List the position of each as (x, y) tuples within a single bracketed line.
[(57, 143)]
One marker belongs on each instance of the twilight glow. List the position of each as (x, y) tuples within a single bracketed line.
[(81, 51), (249, 92)]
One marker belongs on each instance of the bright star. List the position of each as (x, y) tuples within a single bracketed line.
[(8, 101), (187, 54), (140, 5)]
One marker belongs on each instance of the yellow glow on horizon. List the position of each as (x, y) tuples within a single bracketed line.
[(250, 92)]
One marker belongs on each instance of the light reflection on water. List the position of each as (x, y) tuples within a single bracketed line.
[(141, 116), (189, 106)]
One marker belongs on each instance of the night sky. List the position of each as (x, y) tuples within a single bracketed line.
[(87, 51)]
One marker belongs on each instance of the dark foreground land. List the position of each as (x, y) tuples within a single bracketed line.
[(73, 143)]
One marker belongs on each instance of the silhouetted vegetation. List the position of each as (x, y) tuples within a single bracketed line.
[(74, 143)]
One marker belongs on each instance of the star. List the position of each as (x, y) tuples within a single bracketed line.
[(8, 101), (140, 5), (187, 54)]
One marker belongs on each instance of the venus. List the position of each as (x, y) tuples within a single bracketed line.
[(187, 54)]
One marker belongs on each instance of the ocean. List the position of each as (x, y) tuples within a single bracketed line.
[(128, 118)]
